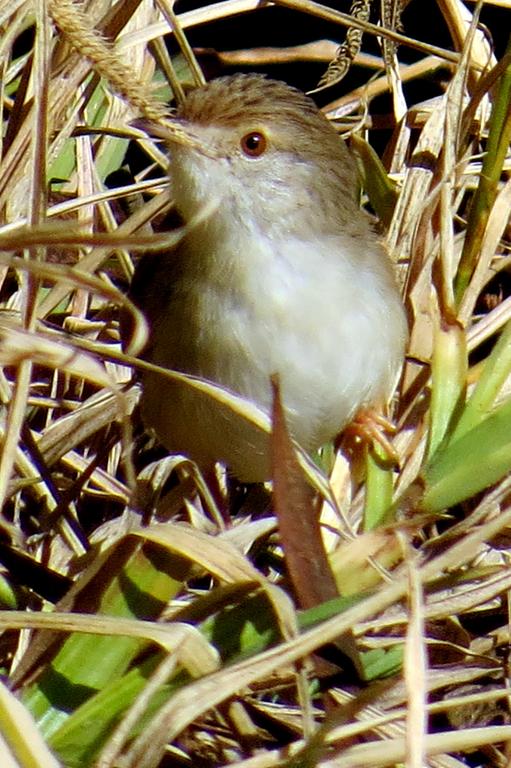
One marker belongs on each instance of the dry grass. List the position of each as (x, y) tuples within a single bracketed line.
[(424, 583)]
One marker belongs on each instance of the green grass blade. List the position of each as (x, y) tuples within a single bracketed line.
[(466, 466), (496, 370), (139, 582), (499, 138)]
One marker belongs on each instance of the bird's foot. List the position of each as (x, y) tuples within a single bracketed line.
[(371, 427)]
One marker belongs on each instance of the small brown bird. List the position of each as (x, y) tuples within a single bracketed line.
[(285, 276)]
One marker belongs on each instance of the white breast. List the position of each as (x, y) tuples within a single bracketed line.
[(332, 329)]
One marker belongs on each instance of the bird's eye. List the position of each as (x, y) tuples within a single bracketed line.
[(253, 144)]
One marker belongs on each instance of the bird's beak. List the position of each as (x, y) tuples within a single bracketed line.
[(171, 131)]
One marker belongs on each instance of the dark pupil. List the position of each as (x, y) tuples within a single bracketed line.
[(253, 141)]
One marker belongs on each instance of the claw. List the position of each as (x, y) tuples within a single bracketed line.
[(369, 426)]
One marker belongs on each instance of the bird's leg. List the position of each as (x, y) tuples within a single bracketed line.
[(371, 426)]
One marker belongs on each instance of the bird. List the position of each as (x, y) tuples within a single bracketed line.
[(279, 273)]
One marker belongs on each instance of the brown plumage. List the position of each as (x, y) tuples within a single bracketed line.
[(283, 275)]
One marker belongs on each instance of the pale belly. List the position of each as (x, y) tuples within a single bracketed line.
[(333, 349)]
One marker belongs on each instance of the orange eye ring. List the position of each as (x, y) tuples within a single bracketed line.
[(253, 144)]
